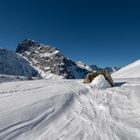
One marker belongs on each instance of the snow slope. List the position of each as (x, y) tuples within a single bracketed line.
[(69, 110), (13, 64), (130, 71)]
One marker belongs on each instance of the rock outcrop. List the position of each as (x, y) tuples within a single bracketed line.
[(91, 76)]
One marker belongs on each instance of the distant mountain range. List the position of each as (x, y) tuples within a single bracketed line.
[(96, 68), (43, 61)]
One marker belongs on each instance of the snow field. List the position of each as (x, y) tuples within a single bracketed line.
[(69, 109)]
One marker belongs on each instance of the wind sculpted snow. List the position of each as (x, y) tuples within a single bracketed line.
[(69, 110)]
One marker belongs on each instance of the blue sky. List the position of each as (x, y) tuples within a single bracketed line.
[(103, 32)]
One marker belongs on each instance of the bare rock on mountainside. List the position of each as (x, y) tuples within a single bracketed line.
[(49, 61), (91, 76)]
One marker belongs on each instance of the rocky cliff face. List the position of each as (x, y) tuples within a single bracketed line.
[(49, 62)]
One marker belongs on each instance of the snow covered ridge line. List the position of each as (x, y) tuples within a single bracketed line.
[(130, 71)]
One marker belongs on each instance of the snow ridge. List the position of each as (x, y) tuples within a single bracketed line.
[(130, 71)]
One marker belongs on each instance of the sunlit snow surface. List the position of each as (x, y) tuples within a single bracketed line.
[(69, 110), (130, 71), (100, 82)]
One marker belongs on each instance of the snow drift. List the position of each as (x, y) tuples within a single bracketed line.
[(68, 110), (100, 82)]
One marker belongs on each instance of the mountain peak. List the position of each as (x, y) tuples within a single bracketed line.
[(49, 61), (26, 44), (29, 41)]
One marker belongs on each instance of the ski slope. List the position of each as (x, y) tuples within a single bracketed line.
[(69, 110), (130, 71)]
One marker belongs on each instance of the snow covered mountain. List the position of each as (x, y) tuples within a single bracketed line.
[(13, 64), (35, 59), (49, 61), (130, 71)]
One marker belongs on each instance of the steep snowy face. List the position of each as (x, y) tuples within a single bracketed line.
[(49, 61), (130, 71), (13, 64)]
